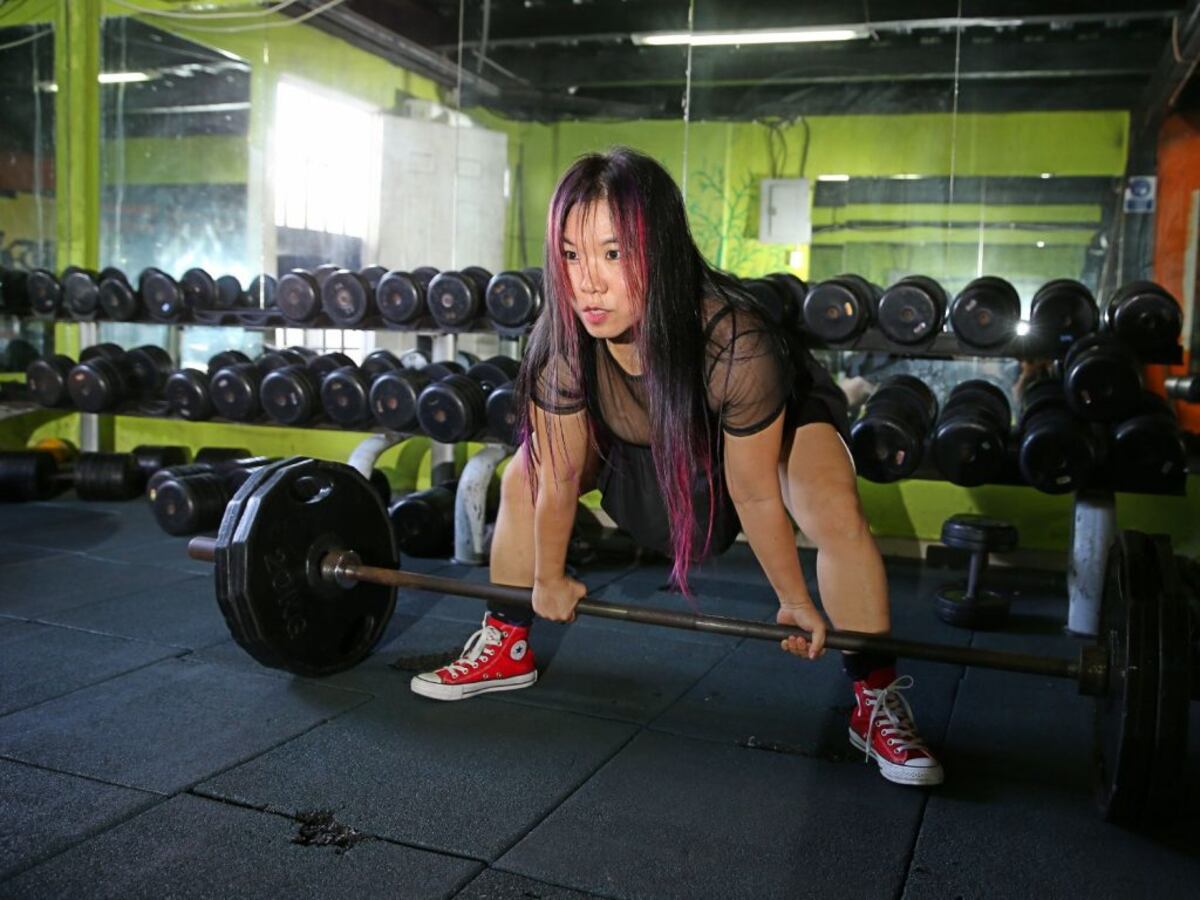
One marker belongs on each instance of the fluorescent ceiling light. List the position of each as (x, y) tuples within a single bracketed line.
[(123, 77), (907, 176), (759, 36), (833, 178), (1047, 175), (1041, 244)]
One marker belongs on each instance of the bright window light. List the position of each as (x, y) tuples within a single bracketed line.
[(324, 152), (765, 36), (1040, 244), (1022, 328), (122, 77), (906, 176), (833, 178)]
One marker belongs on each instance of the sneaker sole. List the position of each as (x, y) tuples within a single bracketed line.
[(913, 777), (464, 691)]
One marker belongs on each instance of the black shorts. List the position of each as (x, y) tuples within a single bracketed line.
[(629, 485)]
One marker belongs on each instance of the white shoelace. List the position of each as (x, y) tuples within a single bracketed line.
[(479, 645), (897, 727)]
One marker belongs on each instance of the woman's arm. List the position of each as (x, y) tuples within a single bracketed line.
[(562, 455), (752, 477)]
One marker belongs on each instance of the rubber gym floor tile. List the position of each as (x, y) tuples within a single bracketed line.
[(182, 614), (16, 552), (192, 847), (39, 661), (759, 696), (168, 725), (84, 527), (161, 551), (736, 565), (670, 817), (46, 812), (467, 778), (53, 584), (491, 884)]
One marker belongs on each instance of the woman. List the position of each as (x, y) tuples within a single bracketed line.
[(654, 377)]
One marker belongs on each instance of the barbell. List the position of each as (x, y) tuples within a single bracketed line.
[(307, 570)]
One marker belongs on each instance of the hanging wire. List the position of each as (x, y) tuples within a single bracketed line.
[(241, 29), (29, 39), (211, 14)]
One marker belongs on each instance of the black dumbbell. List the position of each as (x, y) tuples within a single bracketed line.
[(373, 274), (102, 382), (27, 475), (81, 292), (262, 291), (970, 439), (503, 416), (230, 294), (795, 290), (1147, 451), (888, 438), (911, 311), (298, 297), (1144, 316), (1057, 453), (1061, 312), (455, 299), (293, 356), (454, 408), (188, 392), (348, 298), (380, 361), (839, 309), (291, 395), (1184, 388), (328, 362), (393, 398), (1102, 378), (401, 296), (188, 500), (44, 292), (985, 314), (203, 292), (235, 388), (108, 476), (152, 458), (225, 358), (345, 396), (162, 297), (514, 298), (14, 292), (213, 456), (46, 379), (773, 297), (423, 522), (37, 475), (116, 296), (322, 273), (19, 355)]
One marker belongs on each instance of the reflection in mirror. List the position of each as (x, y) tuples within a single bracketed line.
[(27, 220)]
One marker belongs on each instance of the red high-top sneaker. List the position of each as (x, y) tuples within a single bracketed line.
[(881, 711), (496, 658)]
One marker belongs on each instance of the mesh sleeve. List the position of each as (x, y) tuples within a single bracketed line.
[(750, 373), (558, 389)]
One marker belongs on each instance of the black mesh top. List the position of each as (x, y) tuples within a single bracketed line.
[(749, 379)]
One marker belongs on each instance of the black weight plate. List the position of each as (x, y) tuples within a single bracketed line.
[(453, 299), (1056, 456), (229, 291), (834, 312), (323, 273), (985, 611), (450, 410), (379, 361), (985, 313), (1061, 312), (346, 297), (400, 297), (225, 358), (968, 531), (328, 362), (345, 397), (290, 396), (46, 379), (199, 289), (45, 293), (118, 299), (968, 452), (262, 291), (493, 372), (884, 448), (910, 311), (1166, 791), (512, 299), (294, 619), (1125, 713), (187, 395), (298, 297), (1145, 316), (234, 392), (373, 274), (226, 569), (502, 416), (394, 396), (162, 297)]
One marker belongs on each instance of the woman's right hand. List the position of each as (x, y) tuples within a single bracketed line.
[(557, 598)]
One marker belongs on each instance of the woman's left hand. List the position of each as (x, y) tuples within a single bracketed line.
[(804, 615)]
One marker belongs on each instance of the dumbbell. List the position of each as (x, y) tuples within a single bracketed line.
[(298, 296), (455, 299), (379, 361), (1057, 453), (503, 414), (81, 292), (349, 297), (423, 522), (217, 455), (262, 291), (44, 292), (291, 395), (393, 398), (911, 311), (1144, 316), (235, 388), (14, 292), (328, 362), (1147, 451), (985, 313), (794, 291), (345, 396), (454, 408), (514, 298), (970, 439), (116, 296), (888, 438), (46, 378), (36, 475), (775, 298), (839, 309), (203, 292), (373, 274), (187, 391), (151, 458), (1102, 378), (186, 501), (402, 296), (103, 382), (18, 355), (1061, 312), (162, 297), (1184, 388)]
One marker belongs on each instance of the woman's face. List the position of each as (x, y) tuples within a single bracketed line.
[(596, 266)]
